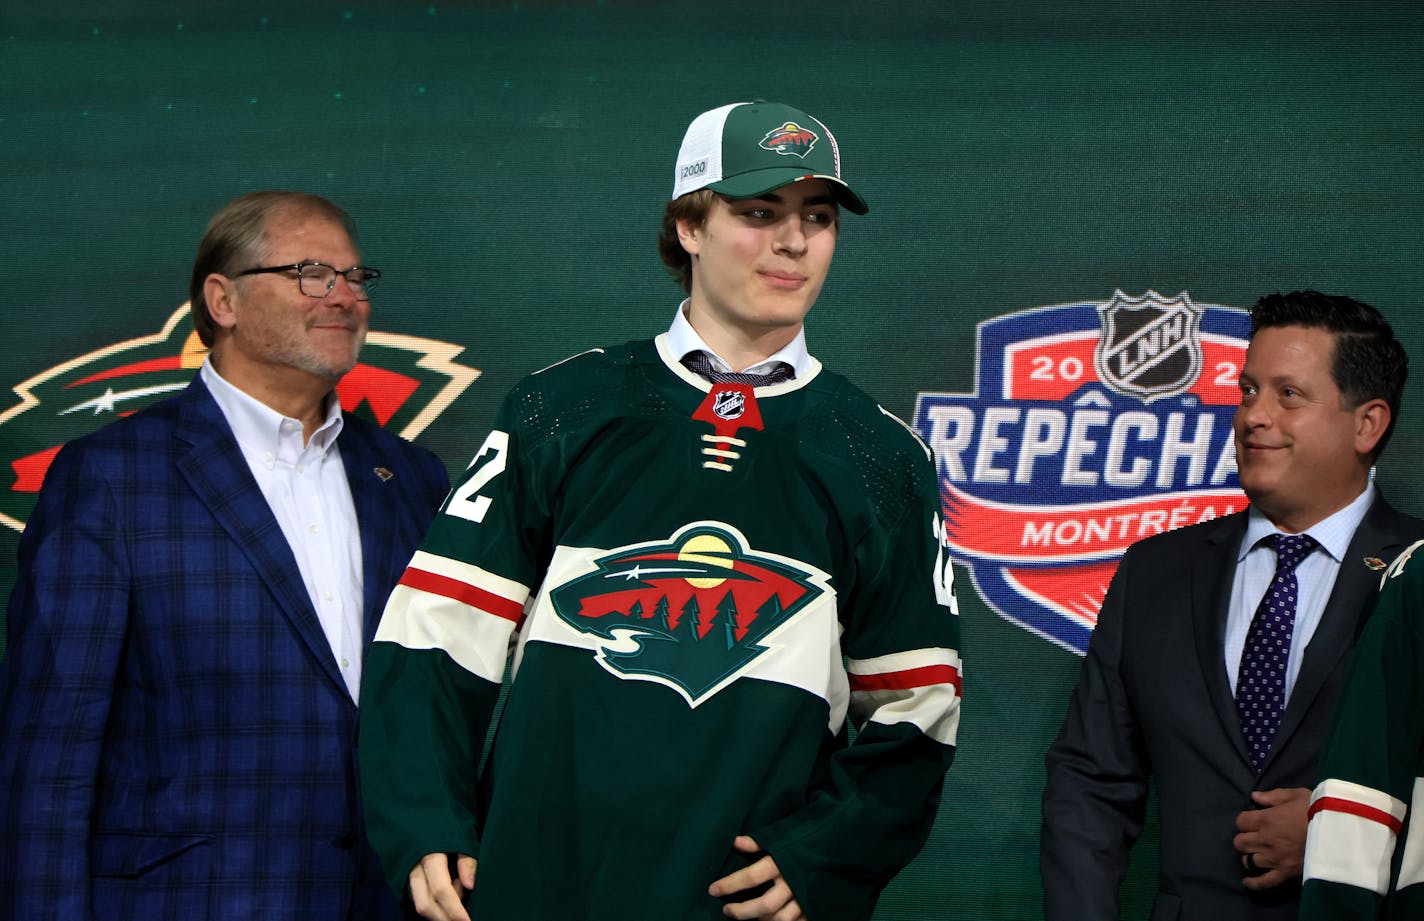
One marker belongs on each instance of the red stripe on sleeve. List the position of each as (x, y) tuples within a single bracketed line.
[(1336, 804), (464, 593), (908, 679)]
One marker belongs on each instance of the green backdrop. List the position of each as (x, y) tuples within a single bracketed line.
[(507, 164)]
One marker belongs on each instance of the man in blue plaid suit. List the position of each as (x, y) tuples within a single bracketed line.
[(196, 588)]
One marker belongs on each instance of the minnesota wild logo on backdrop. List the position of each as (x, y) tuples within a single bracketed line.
[(402, 382), (1092, 425)]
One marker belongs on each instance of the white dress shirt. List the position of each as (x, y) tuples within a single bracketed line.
[(683, 339), (305, 486), (1315, 579)]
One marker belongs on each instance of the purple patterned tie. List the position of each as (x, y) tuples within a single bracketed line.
[(1261, 680), (698, 363)]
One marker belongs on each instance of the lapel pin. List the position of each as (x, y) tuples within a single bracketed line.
[(386, 476), (1374, 563)]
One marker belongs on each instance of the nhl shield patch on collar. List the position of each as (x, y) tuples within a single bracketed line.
[(728, 408)]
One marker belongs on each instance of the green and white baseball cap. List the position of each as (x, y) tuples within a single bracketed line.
[(747, 149)]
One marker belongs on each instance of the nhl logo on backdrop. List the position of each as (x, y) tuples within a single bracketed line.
[(1150, 346), (1092, 425)]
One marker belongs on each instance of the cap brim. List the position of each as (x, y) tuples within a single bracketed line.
[(759, 182)]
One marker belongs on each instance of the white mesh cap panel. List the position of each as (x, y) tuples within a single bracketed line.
[(699, 160)]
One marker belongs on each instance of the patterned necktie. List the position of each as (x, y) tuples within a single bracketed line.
[(1261, 680), (699, 363)]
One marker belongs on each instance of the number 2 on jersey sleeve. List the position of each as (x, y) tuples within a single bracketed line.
[(466, 502)]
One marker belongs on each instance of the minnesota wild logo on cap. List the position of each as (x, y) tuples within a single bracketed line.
[(790, 140), (747, 149)]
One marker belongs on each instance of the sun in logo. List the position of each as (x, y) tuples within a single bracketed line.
[(709, 550)]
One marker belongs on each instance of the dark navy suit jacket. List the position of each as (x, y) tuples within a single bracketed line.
[(1154, 702), (176, 740)]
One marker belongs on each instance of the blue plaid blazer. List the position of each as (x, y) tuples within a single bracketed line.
[(175, 738)]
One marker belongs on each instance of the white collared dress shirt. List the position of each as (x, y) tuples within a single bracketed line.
[(305, 486)]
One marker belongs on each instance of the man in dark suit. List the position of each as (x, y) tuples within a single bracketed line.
[(1187, 684), (196, 588)]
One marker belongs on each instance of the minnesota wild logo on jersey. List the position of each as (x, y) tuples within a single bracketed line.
[(690, 611)]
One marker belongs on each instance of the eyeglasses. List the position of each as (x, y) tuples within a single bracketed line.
[(316, 279)]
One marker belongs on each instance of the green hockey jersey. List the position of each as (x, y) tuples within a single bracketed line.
[(700, 586), (1364, 855)]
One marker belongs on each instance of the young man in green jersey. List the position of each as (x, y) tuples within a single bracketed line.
[(709, 555)]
